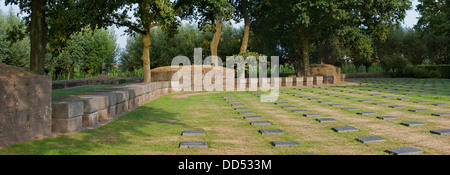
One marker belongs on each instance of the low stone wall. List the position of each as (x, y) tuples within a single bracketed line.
[(25, 108), (62, 84), (87, 111)]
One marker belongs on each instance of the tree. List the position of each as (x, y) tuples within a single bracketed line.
[(242, 12), (147, 13), (14, 43), (434, 26), (301, 21), (414, 49), (210, 15), (130, 58)]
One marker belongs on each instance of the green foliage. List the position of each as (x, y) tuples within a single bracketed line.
[(394, 64), (14, 44), (420, 73), (350, 68), (443, 69), (85, 52), (434, 74)]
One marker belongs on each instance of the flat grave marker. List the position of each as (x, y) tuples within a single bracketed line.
[(370, 139), (350, 109), (299, 110), (417, 110), (322, 120), (387, 117), (246, 112), (281, 103), (397, 106), (441, 131), (193, 133), (402, 98), (380, 103), (240, 109), (412, 123), (420, 102), (284, 143), (260, 123), (441, 114), (404, 151), (335, 104), (324, 101), (237, 104), (270, 131), (252, 117), (344, 129), (289, 107), (193, 144), (439, 104), (365, 113), (312, 115)]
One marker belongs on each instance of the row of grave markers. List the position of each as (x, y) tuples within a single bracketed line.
[(399, 151)]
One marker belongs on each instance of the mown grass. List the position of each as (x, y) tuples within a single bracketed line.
[(83, 89), (155, 128)]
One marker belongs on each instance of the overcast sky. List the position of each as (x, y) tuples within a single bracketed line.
[(410, 21)]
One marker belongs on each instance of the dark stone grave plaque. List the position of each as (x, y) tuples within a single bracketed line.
[(412, 123), (441, 114), (289, 107), (281, 103), (387, 117), (299, 110), (344, 129), (246, 112), (270, 131), (370, 139), (193, 133), (324, 101), (237, 104), (253, 117), (404, 151), (240, 109), (193, 144), (397, 106), (441, 131), (365, 113), (335, 104), (417, 110), (380, 103), (439, 104), (326, 120), (350, 109), (312, 115), (285, 143), (402, 98), (260, 123)]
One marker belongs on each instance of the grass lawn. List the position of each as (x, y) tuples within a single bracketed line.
[(83, 89), (155, 128)]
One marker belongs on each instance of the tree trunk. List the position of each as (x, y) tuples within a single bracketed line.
[(216, 38), (146, 56), (246, 27), (305, 72), (320, 45), (357, 67), (38, 36)]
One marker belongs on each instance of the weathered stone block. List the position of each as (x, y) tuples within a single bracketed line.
[(287, 82), (308, 81), (102, 115), (67, 109), (318, 80), (90, 120), (67, 125), (298, 81)]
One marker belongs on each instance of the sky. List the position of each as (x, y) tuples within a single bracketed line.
[(410, 20)]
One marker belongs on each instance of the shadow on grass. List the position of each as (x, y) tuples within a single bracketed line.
[(133, 130)]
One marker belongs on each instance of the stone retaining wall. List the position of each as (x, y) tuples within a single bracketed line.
[(25, 108)]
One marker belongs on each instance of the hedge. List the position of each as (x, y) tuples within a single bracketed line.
[(444, 69)]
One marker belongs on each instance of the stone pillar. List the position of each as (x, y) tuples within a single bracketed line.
[(298, 81), (308, 81), (318, 80)]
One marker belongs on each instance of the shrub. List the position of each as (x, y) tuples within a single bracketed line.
[(434, 74), (420, 73)]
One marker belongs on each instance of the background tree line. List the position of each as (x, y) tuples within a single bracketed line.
[(70, 33)]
